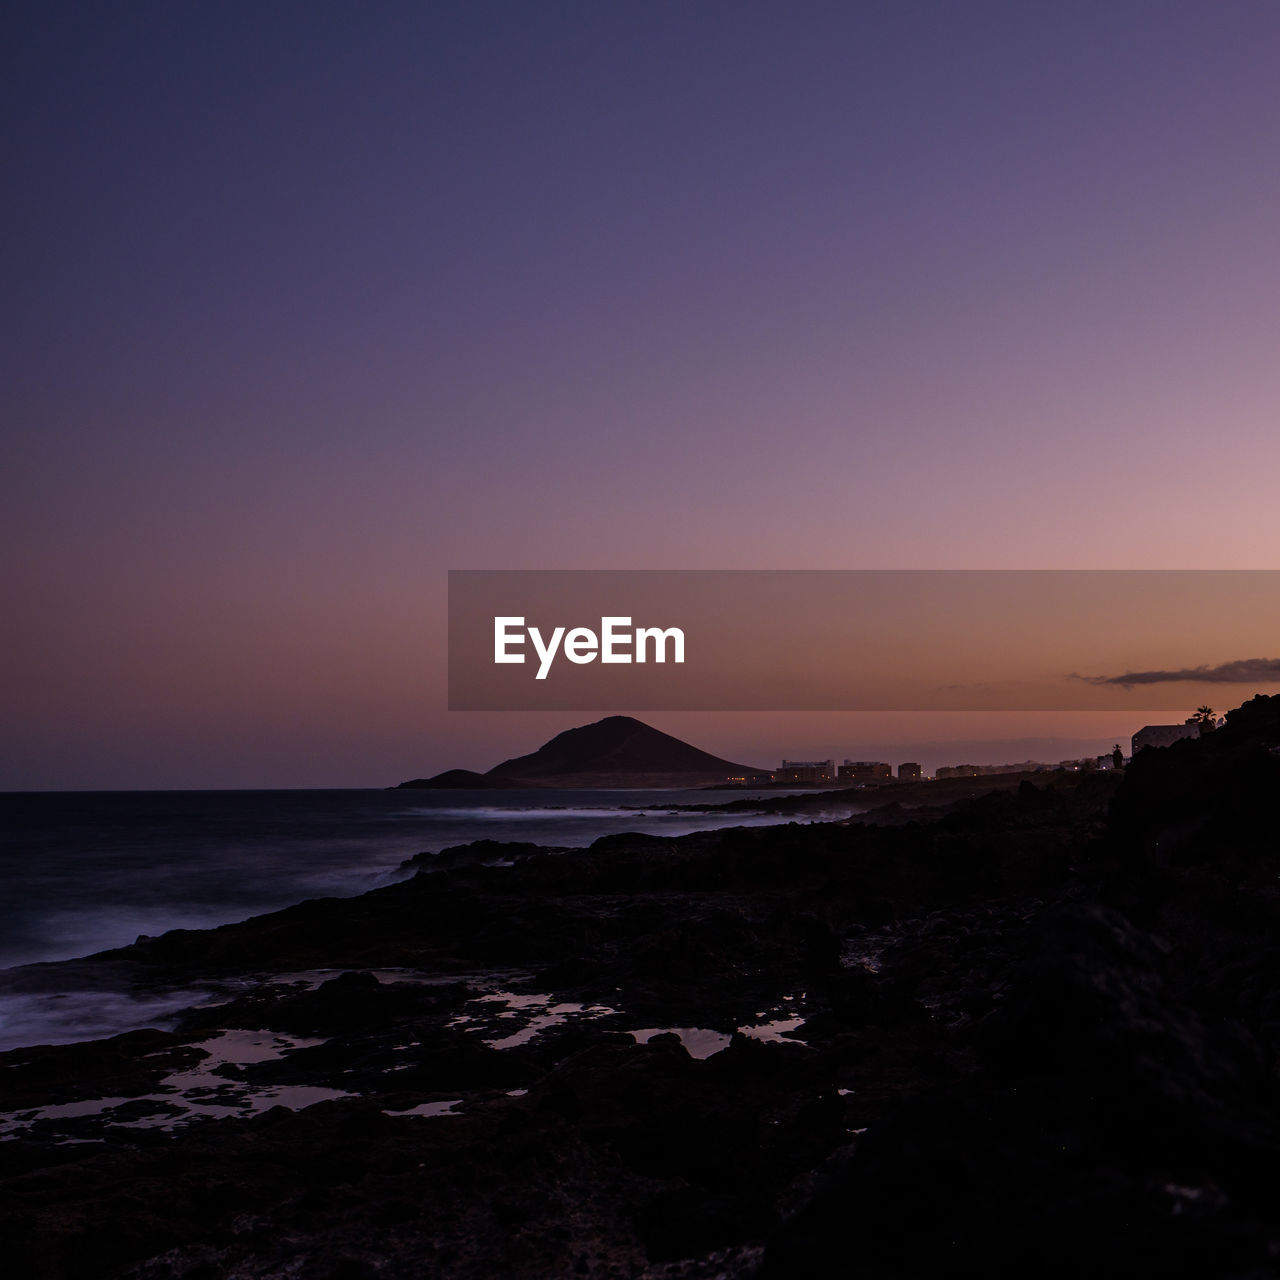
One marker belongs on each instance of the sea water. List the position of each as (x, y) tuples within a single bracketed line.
[(81, 872)]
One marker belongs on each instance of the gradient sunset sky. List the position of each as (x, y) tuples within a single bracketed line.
[(308, 303)]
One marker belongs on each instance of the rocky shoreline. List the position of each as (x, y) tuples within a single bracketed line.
[(1029, 1031)]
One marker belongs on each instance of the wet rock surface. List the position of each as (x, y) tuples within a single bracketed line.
[(1035, 1031)]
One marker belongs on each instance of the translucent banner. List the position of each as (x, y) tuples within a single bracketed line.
[(860, 640)]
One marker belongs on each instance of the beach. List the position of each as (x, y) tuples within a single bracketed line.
[(86, 872), (918, 1039)]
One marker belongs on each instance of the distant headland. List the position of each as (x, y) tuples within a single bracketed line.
[(618, 751)]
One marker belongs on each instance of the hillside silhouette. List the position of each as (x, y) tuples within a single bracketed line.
[(616, 751)]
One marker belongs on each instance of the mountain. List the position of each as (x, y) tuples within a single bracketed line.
[(618, 751)]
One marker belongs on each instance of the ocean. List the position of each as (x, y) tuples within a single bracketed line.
[(82, 872)]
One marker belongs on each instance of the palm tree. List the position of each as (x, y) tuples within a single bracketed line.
[(1204, 718)]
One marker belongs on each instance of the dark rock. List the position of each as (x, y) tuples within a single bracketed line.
[(1059, 1058), (452, 780)]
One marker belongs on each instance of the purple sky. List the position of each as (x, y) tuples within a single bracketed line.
[(308, 303)]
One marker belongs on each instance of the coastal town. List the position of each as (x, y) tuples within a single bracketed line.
[(861, 772)]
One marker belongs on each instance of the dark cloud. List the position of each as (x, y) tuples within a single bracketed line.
[(1244, 671)]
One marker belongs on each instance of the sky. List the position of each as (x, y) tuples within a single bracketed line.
[(307, 304)]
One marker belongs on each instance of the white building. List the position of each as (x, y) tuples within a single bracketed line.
[(806, 771), (1164, 735)]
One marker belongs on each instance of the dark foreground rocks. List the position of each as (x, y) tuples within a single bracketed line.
[(1036, 1034)]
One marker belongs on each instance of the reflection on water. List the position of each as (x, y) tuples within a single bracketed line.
[(699, 1042), (199, 1092)]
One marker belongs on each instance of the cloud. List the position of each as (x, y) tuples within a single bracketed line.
[(1243, 671)]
